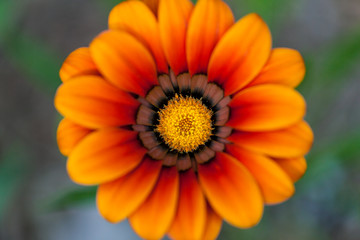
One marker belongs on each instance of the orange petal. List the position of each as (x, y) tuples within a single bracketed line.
[(274, 183), (212, 225), (69, 134), (79, 62), (240, 54), (173, 21), (208, 22), (266, 107), (92, 102), (124, 61), (294, 167), (153, 5), (116, 200), (285, 66), (104, 156), (189, 222), (135, 18), (291, 142), (154, 217), (231, 190)]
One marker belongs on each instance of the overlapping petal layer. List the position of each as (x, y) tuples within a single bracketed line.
[(275, 184), (285, 66), (294, 167), (214, 18), (266, 107), (124, 61), (173, 21), (290, 142), (92, 102), (153, 5), (105, 155), (240, 54), (231, 190), (153, 218), (116, 200), (69, 134), (137, 19), (190, 218), (79, 62), (212, 225)]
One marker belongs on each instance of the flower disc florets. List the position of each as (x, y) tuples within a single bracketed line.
[(185, 123)]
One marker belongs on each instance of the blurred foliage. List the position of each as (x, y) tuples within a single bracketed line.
[(271, 11), (6, 16), (70, 198), (345, 147), (343, 57), (12, 170), (30, 55), (109, 4), (35, 60), (332, 62)]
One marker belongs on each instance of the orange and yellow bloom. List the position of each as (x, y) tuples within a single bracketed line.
[(183, 118)]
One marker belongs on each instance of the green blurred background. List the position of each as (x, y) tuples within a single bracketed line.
[(39, 202)]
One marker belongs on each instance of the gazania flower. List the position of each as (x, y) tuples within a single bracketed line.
[(183, 118)]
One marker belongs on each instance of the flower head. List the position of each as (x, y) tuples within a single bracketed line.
[(183, 118)]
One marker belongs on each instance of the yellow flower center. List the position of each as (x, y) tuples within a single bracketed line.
[(185, 123)]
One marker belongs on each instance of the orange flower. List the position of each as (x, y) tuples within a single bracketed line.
[(183, 118)]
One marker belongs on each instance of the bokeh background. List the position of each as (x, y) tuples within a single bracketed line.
[(39, 202)]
